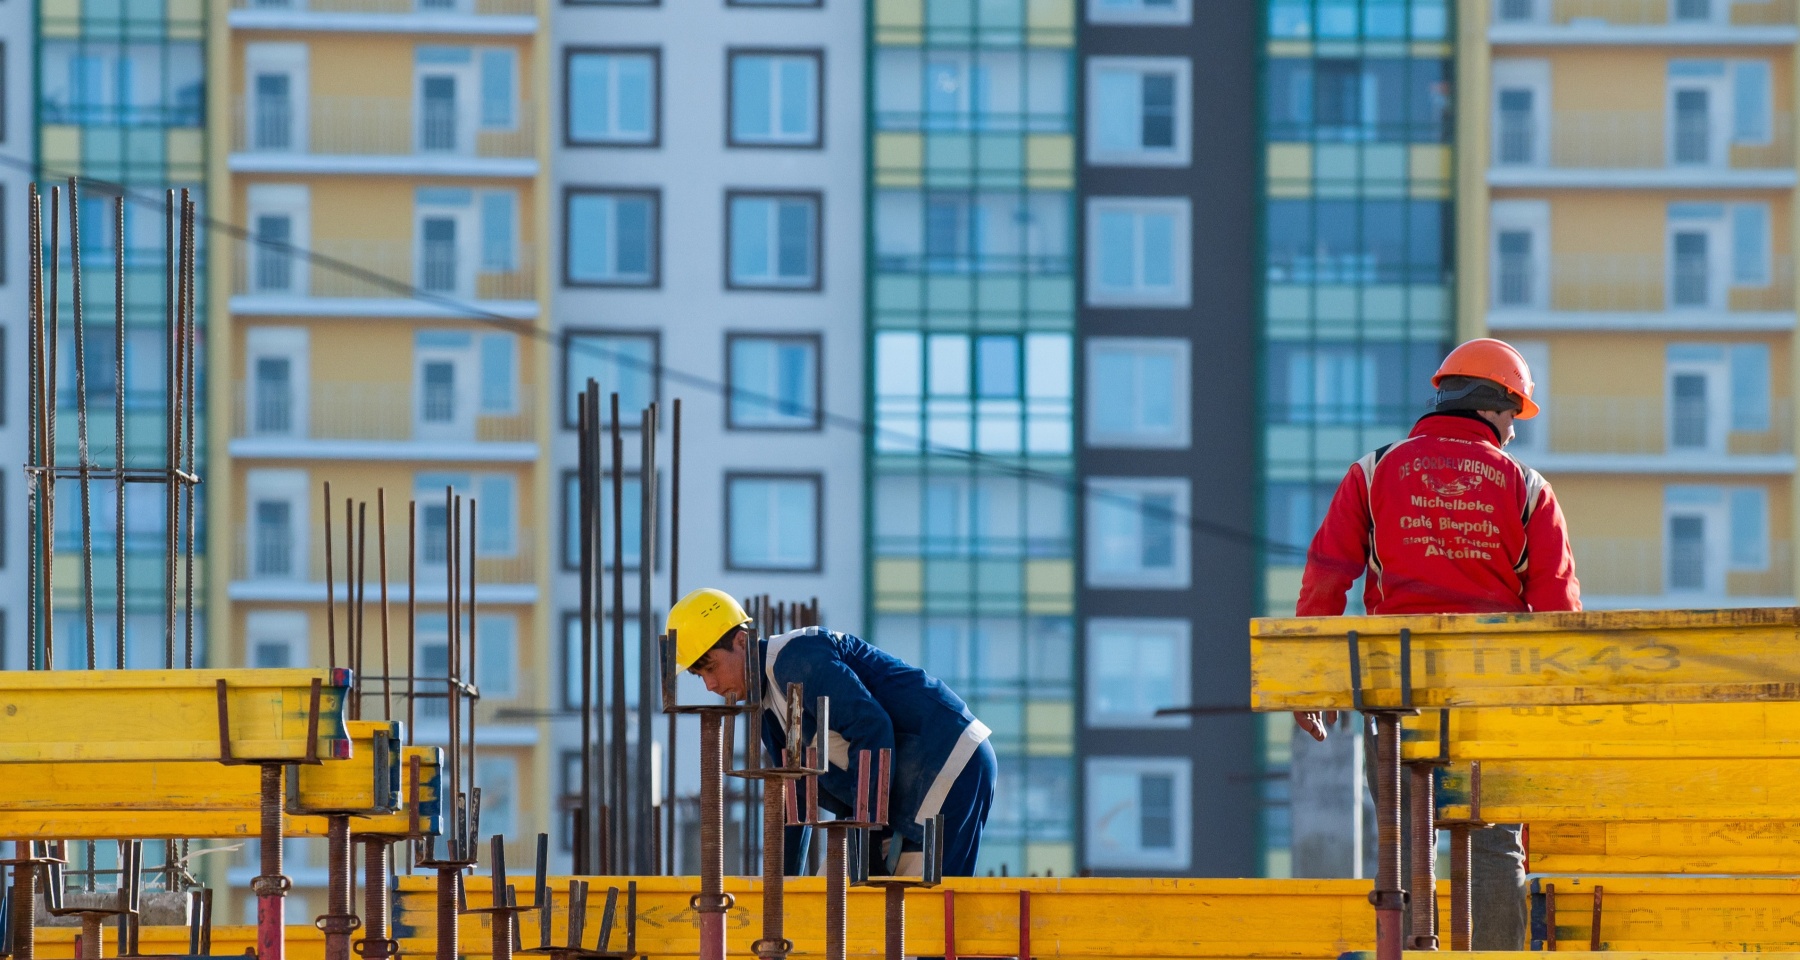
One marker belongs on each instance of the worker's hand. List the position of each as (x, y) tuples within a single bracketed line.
[(1315, 724)]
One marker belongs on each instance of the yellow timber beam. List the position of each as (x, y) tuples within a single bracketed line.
[(1297, 919), (52, 716), (1528, 791), (1675, 914), (1646, 730), (123, 801), (1733, 847), (1584, 955), (303, 942), (1529, 659)]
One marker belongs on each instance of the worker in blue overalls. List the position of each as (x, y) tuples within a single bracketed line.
[(942, 762)]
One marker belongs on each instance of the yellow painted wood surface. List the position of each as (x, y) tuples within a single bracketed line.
[(1740, 847), (1674, 914), (303, 942), (69, 716), (122, 801), (1069, 917), (1528, 791), (1647, 730), (1583, 954), (1531, 659)]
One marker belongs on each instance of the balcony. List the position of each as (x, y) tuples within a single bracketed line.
[(1633, 291), (267, 566), (1634, 435), (379, 278), (369, 421), (1644, 21), (1622, 572), (376, 135), (1631, 149), (512, 17)]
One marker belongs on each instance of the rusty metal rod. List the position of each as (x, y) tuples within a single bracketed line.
[(34, 415), (119, 429), (1461, 904), (1424, 859), (585, 541), (387, 668), (82, 459), (24, 901), (337, 921), (773, 945), (375, 941), (412, 620), (188, 444), (171, 295), (711, 904), (331, 658), (894, 900), (1389, 896), (52, 334), (272, 885), (645, 855), (837, 901), (619, 824)]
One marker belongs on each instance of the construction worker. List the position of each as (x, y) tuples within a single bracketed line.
[(941, 763), (1444, 521)]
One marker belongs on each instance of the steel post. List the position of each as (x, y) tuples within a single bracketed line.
[(272, 885), (1424, 859), (1389, 896), (773, 946), (836, 896), (375, 941), (448, 917), (1461, 903), (93, 935), (711, 904), (895, 902), (338, 922)]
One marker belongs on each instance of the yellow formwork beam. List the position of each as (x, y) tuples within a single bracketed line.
[(123, 801), (68, 716), (1079, 917), (1529, 659), (1528, 791), (303, 942), (1582, 955), (1732, 847), (1644, 730), (1675, 914)]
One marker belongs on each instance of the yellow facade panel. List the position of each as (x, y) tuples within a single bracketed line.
[(899, 151), (1290, 161), (1045, 19), (899, 13), (899, 584), (1050, 153), (60, 146), (1047, 726), (1049, 587)]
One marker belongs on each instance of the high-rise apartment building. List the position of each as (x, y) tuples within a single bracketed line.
[(1168, 406), (1359, 299), (708, 228), (1627, 220), (382, 326)]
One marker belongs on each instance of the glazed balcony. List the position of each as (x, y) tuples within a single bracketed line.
[(1617, 141), (1664, 21), (386, 413), (377, 134), (356, 275)]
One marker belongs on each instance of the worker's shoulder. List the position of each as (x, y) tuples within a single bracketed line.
[(806, 643)]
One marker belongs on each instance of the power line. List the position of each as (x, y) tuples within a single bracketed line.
[(1079, 487)]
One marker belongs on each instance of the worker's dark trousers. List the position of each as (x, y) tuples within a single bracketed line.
[(965, 811), (1496, 867)]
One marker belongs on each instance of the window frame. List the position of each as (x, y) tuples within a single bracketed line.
[(817, 479), (1183, 629), (656, 94), (567, 495), (1182, 152), (1182, 574), (816, 340), (1180, 855), (568, 336), (654, 195), (778, 4), (1181, 254), (612, 3), (818, 57), (817, 199), (1180, 436), (1180, 13)]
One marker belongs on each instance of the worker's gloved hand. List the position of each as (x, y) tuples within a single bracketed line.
[(1315, 724)]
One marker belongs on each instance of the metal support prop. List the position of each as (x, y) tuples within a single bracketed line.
[(24, 901), (1389, 895), (271, 886), (375, 943), (1461, 914), (338, 922), (1424, 858), (712, 901)]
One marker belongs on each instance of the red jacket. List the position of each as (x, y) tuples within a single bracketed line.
[(1444, 522)]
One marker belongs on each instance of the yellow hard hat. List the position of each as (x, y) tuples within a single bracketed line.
[(700, 620)]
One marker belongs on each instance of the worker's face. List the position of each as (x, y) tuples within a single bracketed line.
[(723, 670), (1502, 421)]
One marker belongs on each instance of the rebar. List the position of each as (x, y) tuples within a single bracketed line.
[(1389, 896), (82, 458), (331, 658), (412, 619), (447, 926), (473, 678), (618, 825), (642, 816), (119, 522), (1461, 902), (585, 540), (669, 798), (171, 296), (387, 669), (52, 333), (188, 445), (34, 413), (711, 904), (361, 583), (894, 900), (93, 935), (1424, 858)]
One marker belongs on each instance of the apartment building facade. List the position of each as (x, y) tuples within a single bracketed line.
[(1631, 231), (381, 327)]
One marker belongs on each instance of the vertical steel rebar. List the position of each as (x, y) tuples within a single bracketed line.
[(447, 918), (83, 460), (670, 802), (171, 296), (93, 936), (119, 427), (51, 335), (585, 543), (474, 616), (1461, 905), (452, 687), (618, 823), (361, 583), (272, 885), (711, 903), (331, 657), (598, 827), (773, 946), (192, 464), (34, 402), (412, 618), (1389, 896), (387, 667), (642, 816), (1424, 858)]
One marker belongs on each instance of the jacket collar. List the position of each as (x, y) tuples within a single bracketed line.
[(1457, 425)]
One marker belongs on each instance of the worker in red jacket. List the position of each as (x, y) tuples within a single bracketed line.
[(1445, 521)]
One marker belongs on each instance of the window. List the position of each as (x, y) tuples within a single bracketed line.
[(610, 238), (272, 400), (1516, 11), (624, 363), (1137, 392), (773, 522), (924, 386), (499, 373), (612, 97), (279, 217), (1138, 11), (1138, 251), (1347, 241), (988, 89), (774, 241), (1750, 114), (633, 507), (774, 3), (1520, 261), (1138, 111), (277, 639), (1385, 99), (1749, 369), (274, 244), (88, 82), (1137, 534), (497, 646), (277, 393), (1517, 140), (1710, 531), (1134, 668), (775, 98), (604, 639), (964, 232), (496, 515), (1750, 245), (773, 382), (1138, 812), (274, 532), (498, 779), (275, 547), (499, 83), (499, 231)]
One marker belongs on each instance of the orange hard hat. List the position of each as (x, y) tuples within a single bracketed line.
[(1494, 360)]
